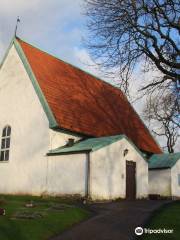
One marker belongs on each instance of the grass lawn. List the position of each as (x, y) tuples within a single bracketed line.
[(47, 218), (167, 217)]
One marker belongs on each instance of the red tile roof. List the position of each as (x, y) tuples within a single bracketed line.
[(84, 104)]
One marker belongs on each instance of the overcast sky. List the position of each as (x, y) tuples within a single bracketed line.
[(56, 26)]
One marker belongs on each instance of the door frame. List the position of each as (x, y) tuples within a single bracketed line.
[(131, 195)]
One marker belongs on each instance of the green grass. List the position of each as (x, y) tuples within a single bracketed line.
[(167, 217), (52, 221)]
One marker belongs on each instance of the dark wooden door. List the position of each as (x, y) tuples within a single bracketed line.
[(130, 180)]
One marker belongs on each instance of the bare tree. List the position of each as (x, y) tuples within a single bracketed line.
[(123, 33), (162, 111), (126, 33)]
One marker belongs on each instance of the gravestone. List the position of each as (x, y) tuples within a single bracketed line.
[(2, 211)]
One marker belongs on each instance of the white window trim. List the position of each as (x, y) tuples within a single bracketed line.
[(5, 149)]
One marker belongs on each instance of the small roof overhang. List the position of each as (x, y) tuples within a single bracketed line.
[(163, 161), (85, 146)]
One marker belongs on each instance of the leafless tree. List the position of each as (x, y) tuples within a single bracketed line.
[(163, 111), (123, 33)]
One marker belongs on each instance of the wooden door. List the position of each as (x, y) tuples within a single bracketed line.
[(130, 180)]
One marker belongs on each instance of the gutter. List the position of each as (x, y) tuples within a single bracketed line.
[(159, 168), (67, 153)]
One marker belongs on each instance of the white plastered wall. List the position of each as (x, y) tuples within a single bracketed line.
[(108, 171), (58, 138), (160, 182), (175, 171), (67, 174), (20, 108), (27, 169)]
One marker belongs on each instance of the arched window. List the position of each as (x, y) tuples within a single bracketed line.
[(5, 143)]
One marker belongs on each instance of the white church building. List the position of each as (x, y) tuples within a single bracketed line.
[(66, 132)]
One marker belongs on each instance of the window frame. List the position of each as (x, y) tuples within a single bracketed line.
[(5, 144)]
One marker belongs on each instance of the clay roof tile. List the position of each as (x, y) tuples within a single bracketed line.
[(84, 104)]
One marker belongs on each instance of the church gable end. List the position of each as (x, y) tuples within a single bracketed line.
[(19, 104)]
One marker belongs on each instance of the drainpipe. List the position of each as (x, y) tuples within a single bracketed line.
[(88, 176)]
